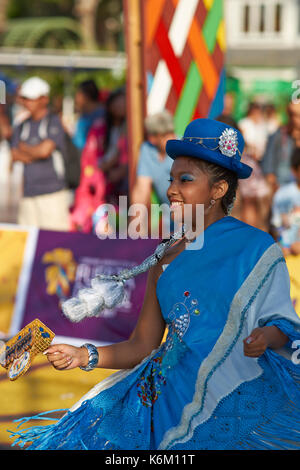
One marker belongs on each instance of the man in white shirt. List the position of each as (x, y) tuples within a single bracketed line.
[(154, 165), (39, 143)]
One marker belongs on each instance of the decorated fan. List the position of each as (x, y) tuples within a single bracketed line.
[(17, 354)]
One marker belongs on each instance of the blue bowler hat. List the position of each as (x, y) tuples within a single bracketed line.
[(214, 142)]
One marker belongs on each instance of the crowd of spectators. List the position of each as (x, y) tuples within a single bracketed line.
[(270, 198), (67, 173)]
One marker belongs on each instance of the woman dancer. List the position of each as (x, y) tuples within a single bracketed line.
[(227, 375)]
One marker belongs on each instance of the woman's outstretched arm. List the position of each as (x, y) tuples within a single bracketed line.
[(146, 336)]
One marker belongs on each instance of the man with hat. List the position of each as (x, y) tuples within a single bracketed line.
[(38, 143)]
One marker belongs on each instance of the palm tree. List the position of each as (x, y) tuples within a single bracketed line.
[(3, 8), (86, 10)]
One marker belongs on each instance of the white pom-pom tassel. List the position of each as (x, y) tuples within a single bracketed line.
[(112, 291), (93, 300), (108, 290)]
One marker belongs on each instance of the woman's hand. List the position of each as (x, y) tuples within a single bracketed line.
[(66, 357), (256, 344), (262, 338)]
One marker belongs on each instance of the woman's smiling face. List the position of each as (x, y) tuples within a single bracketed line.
[(189, 184)]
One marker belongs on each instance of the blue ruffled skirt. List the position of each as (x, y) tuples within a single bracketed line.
[(136, 411)]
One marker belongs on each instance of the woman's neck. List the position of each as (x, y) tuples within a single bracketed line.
[(213, 217), (208, 219)]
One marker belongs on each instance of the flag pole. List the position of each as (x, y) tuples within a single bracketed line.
[(134, 83)]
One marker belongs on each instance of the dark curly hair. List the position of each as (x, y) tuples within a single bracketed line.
[(217, 173)]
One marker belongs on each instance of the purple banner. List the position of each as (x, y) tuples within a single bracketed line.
[(65, 262)]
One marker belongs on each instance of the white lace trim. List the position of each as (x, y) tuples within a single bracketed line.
[(225, 341)]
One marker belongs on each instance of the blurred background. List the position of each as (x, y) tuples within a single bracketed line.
[(70, 41)]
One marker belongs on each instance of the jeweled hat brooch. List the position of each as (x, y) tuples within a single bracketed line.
[(228, 143)]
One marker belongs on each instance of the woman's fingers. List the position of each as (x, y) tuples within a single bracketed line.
[(60, 360), (54, 356), (254, 346), (63, 364), (62, 356), (254, 340), (54, 348)]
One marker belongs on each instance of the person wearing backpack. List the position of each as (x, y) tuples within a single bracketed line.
[(39, 143)]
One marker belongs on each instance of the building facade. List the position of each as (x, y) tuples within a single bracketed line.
[(263, 43)]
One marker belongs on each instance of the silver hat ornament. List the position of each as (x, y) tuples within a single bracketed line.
[(228, 142), (108, 291)]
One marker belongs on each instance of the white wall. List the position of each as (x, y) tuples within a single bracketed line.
[(287, 37)]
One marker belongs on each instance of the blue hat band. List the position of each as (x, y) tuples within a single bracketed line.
[(226, 144)]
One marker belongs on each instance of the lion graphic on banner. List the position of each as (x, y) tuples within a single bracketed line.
[(61, 273)]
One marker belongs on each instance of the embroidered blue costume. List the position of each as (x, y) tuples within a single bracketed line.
[(198, 390)]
